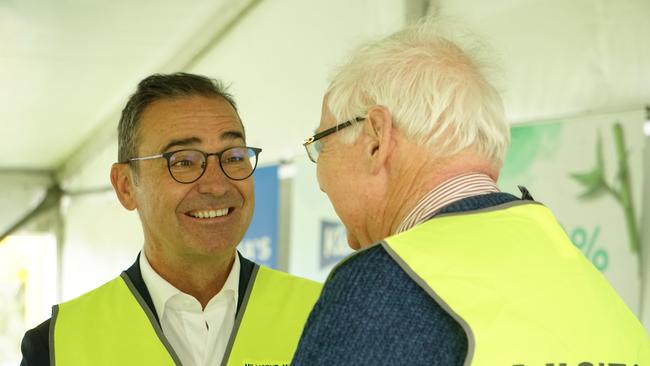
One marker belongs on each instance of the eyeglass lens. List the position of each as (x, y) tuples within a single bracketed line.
[(313, 150), (237, 163)]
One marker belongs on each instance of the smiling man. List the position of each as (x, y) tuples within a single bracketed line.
[(189, 298)]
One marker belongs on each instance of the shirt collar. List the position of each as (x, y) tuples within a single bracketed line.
[(449, 191), (161, 290)]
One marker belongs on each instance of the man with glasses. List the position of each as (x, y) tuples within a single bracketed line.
[(451, 271), (189, 298)]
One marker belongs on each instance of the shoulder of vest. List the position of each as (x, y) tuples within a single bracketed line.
[(106, 288), (515, 205), (523, 213)]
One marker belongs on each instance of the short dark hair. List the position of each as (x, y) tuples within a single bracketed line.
[(158, 87)]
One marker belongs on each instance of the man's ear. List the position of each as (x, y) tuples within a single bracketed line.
[(122, 179), (379, 132)]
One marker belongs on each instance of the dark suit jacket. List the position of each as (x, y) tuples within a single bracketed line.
[(35, 345)]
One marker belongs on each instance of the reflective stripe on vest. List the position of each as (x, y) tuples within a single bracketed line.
[(521, 290), (277, 307), (112, 325)]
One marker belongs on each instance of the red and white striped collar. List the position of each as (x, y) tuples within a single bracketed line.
[(454, 189)]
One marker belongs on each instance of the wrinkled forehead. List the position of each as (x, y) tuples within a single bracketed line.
[(181, 118)]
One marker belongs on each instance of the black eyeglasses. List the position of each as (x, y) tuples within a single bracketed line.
[(187, 166), (314, 146)]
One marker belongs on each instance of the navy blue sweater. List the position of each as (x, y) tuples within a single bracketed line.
[(371, 312)]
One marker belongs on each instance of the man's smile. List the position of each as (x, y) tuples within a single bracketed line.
[(209, 213)]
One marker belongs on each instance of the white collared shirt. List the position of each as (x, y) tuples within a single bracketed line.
[(199, 337)]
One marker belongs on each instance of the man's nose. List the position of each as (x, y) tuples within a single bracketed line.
[(214, 180)]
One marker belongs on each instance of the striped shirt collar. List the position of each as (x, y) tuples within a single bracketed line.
[(454, 189)]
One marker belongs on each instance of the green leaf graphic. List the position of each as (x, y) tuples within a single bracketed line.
[(596, 185), (594, 180)]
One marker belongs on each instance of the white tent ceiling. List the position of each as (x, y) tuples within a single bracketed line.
[(67, 67)]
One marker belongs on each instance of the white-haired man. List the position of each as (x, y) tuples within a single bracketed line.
[(451, 271)]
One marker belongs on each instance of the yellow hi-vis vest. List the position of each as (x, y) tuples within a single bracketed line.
[(521, 290), (112, 325)]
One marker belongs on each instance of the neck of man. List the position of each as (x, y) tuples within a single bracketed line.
[(200, 276), (416, 177)]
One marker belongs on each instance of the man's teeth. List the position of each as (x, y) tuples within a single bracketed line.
[(209, 214)]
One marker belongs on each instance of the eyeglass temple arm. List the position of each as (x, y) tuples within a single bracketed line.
[(147, 157)]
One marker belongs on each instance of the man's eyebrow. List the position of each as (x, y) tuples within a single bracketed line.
[(232, 135), (182, 142), (228, 135)]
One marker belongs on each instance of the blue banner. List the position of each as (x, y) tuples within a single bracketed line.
[(260, 244), (333, 243)]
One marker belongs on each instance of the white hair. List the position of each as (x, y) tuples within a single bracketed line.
[(434, 90)]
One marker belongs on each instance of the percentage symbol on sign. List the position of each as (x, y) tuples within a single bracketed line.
[(585, 242)]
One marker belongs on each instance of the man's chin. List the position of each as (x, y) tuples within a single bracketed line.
[(209, 248), (353, 242)]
